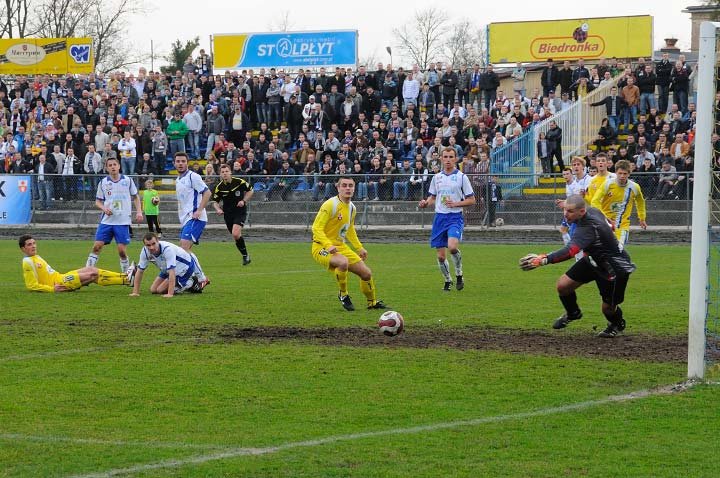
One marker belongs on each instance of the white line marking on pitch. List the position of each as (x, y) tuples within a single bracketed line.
[(239, 452), (95, 441), (53, 353)]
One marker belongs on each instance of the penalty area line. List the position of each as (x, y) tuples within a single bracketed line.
[(241, 452), (97, 441)]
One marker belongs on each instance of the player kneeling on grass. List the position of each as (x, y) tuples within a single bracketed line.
[(179, 270), (40, 277), (605, 263), (333, 225)]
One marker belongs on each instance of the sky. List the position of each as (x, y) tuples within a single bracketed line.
[(375, 19)]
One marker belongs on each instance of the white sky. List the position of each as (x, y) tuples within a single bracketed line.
[(374, 19)]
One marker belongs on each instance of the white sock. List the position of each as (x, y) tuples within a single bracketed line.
[(444, 269), (201, 274), (124, 265), (91, 260), (457, 261)]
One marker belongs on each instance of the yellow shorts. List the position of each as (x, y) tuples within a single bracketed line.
[(322, 256), (71, 279)]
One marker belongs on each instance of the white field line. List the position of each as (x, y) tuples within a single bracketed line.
[(240, 452), (54, 353), (119, 443)]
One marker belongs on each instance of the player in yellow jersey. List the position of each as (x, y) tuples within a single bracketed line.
[(40, 277), (333, 225), (601, 162), (616, 199)]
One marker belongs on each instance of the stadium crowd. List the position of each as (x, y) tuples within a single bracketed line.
[(287, 131)]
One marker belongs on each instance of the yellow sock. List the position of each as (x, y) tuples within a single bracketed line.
[(368, 288), (341, 278), (111, 278)]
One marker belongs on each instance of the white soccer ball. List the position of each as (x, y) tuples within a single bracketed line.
[(499, 222), (155, 200), (391, 323)]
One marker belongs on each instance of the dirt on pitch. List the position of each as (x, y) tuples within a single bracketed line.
[(645, 348)]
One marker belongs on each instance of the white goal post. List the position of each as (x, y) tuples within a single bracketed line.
[(700, 243)]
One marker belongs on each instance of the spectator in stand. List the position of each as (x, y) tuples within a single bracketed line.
[(680, 85), (565, 75), (554, 139), (631, 98), (128, 154), (663, 70), (43, 170), (215, 124), (646, 81), (543, 152), (489, 83), (193, 121), (373, 178), (176, 132), (402, 181), (449, 82), (679, 148), (518, 77), (666, 180), (613, 106), (282, 183)]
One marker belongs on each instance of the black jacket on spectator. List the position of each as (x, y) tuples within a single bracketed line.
[(566, 79), (550, 77), (646, 82), (371, 104), (489, 81), (663, 70), (608, 102)]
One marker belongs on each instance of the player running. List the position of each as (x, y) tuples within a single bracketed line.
[(616, 199), (602, 163), (333, 225), (179, 269), (40, 277), (116, 193), (605, 263), (192, 196), (234, 193), (450, 191)]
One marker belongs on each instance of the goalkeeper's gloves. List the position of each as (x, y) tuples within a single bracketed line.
[(532, 261)]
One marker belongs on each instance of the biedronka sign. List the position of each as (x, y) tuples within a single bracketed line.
[(589, 38)]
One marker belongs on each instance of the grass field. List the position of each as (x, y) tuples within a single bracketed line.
[(96, 383)]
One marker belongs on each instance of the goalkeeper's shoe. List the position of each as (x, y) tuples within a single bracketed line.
[(613, 329), (346, 302), (130, 274), (378, 305), (565, 319), (459, 283), (448, 286)]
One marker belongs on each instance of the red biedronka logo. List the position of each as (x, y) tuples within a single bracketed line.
[(579, 44)]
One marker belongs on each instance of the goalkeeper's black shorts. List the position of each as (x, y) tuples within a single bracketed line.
[(611, 291)]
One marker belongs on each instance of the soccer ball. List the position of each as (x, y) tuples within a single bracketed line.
[(499, 222), (391, 323), (155, 200)]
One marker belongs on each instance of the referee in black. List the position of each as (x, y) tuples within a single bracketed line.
[(605, 262), (234, 193)]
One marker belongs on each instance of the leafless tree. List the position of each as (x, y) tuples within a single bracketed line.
[(14, 18), (107, 25), (421, 39), (465, 45), (369, 59), (281, 22), (60, 18)]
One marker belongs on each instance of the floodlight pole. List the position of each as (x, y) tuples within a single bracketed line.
[(699, 253)]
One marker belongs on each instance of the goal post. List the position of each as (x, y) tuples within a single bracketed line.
[(702, 199)]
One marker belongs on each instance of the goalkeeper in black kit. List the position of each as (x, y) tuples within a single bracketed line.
[(605, 263)]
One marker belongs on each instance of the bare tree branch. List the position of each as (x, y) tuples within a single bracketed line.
[(281, 22), (465, 45), (421, 38)]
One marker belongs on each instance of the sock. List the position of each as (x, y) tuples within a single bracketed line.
[(91, 260), (457, 261), (240, 244), (201, 274), (570, 303), (341, 278), (368, 288), (444, 269), (111, 278), (566, 238), (124, 264), (615, 317)]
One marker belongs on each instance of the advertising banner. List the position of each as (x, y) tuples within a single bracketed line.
[(588, 38), (29, 56), (288, 50), (15, 198)]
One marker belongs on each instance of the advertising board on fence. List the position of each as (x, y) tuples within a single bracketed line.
[(15, 198), (289, 50), (59, 56), (605, 37)]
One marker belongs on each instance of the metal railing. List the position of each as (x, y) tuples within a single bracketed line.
[(294, 200)]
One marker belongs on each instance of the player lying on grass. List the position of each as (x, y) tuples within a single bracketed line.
[(605, 263), (40, 277), (333, 225), (179, 269)]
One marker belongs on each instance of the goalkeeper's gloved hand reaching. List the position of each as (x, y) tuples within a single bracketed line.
[(532, 261)]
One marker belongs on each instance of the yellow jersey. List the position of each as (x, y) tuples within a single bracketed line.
[(595, 184), (616, 202), (335, 224), (38, 274)]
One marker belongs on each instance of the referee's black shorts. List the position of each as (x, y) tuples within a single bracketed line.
[(238, 217), (611, 291)]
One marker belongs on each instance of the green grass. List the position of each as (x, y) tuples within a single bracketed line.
[(95, 380)]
